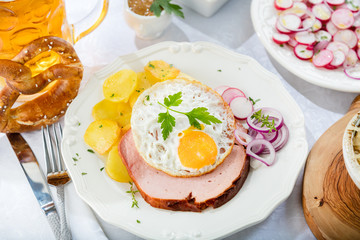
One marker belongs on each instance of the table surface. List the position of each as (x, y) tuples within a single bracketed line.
[(230, 27)]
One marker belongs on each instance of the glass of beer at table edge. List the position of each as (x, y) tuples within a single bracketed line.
[(22, 21)]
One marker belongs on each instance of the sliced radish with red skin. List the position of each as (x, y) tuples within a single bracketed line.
[(353, 72), (283, 4), (358, 53), (335, 2), (297, 6), (346, 36), (311, 24), (292, 42), (281, 38), (353, 5), (302, 52), (306, 38), (231, 93), (320, 45), (321, 12), (342, 18), (331, 28), (335, 45), (280, 28), (323, 35), (357, 32), (241, 107), (351, 59), (330, 67), (323, 58), (220, 89), (314, 2), (290, 21), (339, 59)]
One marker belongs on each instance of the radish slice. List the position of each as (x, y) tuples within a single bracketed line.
[(339, 59), (306, 38), (335, 2), (353, 5), (220, 89), (353, 72), (321, 12), (320, 45), (346, 36), (334, 46), (331, 28), (231, 93), (323, 58), (280, 38), (290, 21), (342, 18), (283, 4), (302, 52), (256, 142), (292, 42), (280, 28), (241, 107), (313, 25), (358, 53), (323, 35), (351, 59), (314, 2), (357, 33)]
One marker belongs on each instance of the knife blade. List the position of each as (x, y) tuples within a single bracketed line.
[(36, 179)]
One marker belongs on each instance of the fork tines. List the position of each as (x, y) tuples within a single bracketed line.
[(54, 162)]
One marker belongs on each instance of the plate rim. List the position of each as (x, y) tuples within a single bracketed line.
[(262, 214)]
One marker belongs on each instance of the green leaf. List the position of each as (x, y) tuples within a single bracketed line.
[(159, 5), (167, 123), (201, 114), (173, 100)]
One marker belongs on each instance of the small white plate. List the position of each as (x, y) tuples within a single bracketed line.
[(265, 187), (263, 15)]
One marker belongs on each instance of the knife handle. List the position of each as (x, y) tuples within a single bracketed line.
[(54, 222)]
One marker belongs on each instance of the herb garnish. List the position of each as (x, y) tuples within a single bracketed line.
[(253, 101), (197, 114), (138, 221), (159, 5), (112, 95), (219, 70), (91, 151), (83, 173), (101, 168), (264, 120), (134, 201)]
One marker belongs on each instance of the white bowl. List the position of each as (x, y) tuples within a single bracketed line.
[(205, 7), (351, 163), (146, 27)]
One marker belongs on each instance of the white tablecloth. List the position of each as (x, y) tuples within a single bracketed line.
[(20, 216)]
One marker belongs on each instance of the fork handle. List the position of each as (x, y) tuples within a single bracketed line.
[(65, 232)]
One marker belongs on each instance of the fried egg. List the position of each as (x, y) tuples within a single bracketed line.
[(187, 151)]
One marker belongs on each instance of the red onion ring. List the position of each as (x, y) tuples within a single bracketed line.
[(240, 135), (281, 140), (270, 157), (279, 120)]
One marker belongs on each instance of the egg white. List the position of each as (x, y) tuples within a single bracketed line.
[(147, 132)]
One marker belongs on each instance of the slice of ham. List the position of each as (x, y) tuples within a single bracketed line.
[(185, 194)]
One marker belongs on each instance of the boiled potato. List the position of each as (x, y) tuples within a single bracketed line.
[(115, 167), (143, 83), (158, 71), (117, 111), (119, 86), (101, 135)]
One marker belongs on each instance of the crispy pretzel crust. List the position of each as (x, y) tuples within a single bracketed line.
[(51, 105)]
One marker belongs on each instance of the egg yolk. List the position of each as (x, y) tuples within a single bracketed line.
[(197, 149)]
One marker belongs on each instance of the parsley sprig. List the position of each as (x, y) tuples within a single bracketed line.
[(132, 191), (197, 114), (270, 124), (159, 5)]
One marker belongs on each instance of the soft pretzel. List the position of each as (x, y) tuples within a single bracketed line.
[(52, 104)]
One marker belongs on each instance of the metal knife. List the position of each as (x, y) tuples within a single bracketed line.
[(36, 179)]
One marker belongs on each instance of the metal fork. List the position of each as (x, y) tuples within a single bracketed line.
[(56, 173)]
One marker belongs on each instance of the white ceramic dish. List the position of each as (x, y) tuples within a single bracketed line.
[(205, 7), (264, 189), (351, 163), (263, 15)]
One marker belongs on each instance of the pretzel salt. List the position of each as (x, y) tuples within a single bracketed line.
[(51, 105)]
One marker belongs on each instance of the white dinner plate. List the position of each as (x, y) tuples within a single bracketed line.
[(263, 15), (264, 189)]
